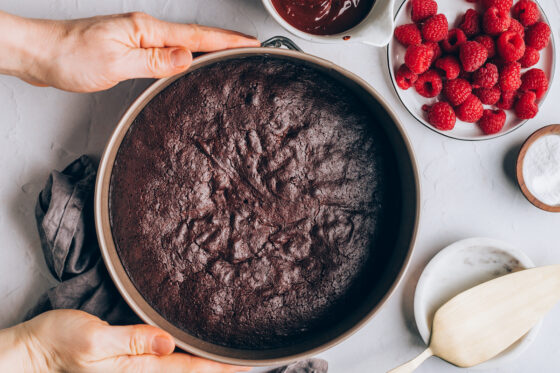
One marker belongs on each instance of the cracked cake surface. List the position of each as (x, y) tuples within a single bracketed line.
[(247, 202)]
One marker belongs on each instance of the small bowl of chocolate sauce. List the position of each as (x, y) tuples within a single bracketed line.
[(333, 21)]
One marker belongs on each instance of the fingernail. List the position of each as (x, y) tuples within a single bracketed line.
[(250, 36), (180, 58), (254, 38), (162, 345)]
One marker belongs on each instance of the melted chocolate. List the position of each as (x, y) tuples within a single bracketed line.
[(323, 17), (248, 199)]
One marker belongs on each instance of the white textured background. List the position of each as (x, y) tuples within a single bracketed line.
[(467, 187)]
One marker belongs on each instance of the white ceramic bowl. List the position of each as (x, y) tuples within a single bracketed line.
[(376, 29), (413, 102), (459, 267)]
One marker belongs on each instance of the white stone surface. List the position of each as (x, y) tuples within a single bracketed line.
[(467, 187)]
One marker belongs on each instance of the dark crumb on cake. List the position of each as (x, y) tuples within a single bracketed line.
[(247, 202)]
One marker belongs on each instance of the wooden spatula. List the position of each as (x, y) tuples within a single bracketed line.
[(481, 322)]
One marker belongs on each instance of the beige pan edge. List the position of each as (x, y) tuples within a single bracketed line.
[(112, 261)]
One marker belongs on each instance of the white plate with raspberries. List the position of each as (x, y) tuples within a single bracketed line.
[(471, 70)]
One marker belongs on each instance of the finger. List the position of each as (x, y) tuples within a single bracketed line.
[(33, 82), (204, 39), (150, 32), (154, 62), (175, 363), (135, 340)]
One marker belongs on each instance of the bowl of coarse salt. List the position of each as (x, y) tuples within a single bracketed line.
[(538, 168)]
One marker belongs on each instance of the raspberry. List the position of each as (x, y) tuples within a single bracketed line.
[(456, 91), (408, 35), (526, 107), (488, 96), (441, 116), (435, 28), (527, 12), (423, 9), (537, 36), (530, 58), (405, 78), (492, 121), (471, 110), (418, 58), (454, 39), (535, 80), (451, 66), (472, 55), (429, 84), (507, 99), (498, 61), (486, 76), (436, 49), (470, 24), (511, 46), (504, 5), (495, 21), (488, 43), (466, 75), (510, 77), (517, 27)]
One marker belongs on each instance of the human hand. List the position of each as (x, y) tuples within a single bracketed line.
[(93, 54), (77, 342)]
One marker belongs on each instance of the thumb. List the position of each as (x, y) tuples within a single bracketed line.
[(34, 82), (155, 62), (136, 340), (176, 363)]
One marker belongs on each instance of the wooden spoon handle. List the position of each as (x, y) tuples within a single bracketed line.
[(414, 363)]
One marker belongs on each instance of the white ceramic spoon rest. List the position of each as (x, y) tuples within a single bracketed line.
[(479, 323)]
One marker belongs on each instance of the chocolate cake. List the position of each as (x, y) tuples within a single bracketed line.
[(251, 202)]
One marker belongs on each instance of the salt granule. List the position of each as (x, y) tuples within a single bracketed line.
[(541, 169)]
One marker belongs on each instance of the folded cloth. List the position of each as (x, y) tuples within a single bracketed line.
[(304, 366), (64, 214)]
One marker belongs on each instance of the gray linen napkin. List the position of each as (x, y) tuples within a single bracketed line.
[(304, 366), (64, 214)]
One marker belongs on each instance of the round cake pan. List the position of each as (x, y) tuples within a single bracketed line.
[(396, 261)]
